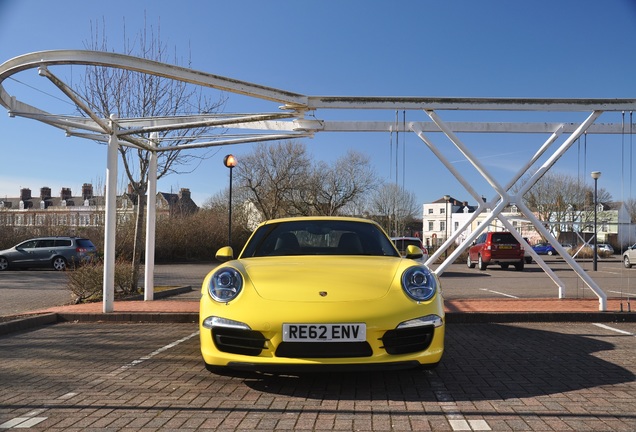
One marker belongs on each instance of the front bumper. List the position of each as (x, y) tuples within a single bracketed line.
[(265, 350)]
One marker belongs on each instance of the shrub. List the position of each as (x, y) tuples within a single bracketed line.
[(86, 282)]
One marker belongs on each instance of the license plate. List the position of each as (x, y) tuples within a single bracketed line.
[(505, 247), (344, 332)]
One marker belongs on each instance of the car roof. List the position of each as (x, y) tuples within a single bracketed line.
[(406, 238), (319, 218), (57, 237)]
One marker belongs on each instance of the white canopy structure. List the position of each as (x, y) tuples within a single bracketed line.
[(299, 116)]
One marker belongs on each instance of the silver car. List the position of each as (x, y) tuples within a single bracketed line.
[(629, 256), (54, 252)]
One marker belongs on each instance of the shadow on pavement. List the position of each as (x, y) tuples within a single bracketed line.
[(481, 362)]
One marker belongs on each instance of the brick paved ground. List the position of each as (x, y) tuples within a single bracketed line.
[(502, 377)]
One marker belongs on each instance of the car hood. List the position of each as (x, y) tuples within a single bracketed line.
[(335, 278)]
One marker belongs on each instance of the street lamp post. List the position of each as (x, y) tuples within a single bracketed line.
[(447, 199), (230, 162), (595, 176)]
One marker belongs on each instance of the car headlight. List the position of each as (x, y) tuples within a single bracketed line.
[(419, 283), (225, 284)]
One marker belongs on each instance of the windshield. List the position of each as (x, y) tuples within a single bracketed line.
[(319, 237)]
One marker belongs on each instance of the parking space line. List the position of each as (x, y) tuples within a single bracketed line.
[(30, 422), (606, 327), (27, 421), (152, 354), (623, 293), (453, 414), (500, 293)]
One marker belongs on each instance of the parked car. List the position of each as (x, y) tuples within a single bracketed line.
[(55, 252), (629, 256), (496, 248), (567, 246), (320, 293), (604, 248), (401, 243), (544, 248)]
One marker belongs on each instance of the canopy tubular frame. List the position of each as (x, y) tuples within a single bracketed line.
[(292, 122)]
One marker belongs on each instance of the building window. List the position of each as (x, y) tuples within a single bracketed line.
[(442, 210), (442, 226), (604, 226), (431, 225), (430, 211)]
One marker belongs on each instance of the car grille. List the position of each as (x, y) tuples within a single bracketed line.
[(236, 341), (323, 349), (409, 340)]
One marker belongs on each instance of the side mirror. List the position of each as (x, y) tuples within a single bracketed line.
[(225, 254), (413, 252)]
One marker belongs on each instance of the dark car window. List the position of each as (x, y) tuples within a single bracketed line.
[(46, 243), (503, 237), (319, 237), (85, 243), (63, 242), (28, 244)]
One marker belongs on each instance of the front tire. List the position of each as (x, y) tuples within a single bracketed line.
[(550, 253), (626, 262), (59, 263), (4, 263), (470, 263)]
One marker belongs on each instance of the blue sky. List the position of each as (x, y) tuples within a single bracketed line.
[(543, 48)]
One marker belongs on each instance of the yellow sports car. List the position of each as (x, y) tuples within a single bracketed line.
[(317, 293)]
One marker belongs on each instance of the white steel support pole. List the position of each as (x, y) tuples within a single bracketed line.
[(558, 282), (560, 152), (467, 154), (151, 216), (454, 236), (602, 297), (110, 223), (474, 194)]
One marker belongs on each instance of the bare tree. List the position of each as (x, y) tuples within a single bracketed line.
[(128, 94), (630, 205), (270, 176), (281, 180), (393, 207), (563, 202), (349, 180)]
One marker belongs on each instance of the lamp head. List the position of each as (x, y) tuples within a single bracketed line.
[(229, 161)]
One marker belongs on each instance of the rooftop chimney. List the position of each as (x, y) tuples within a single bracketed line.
[(65, 193), (184, 193), (45, 193), (87, 191), (25, 194)]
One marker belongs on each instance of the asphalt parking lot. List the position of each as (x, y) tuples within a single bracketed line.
[(458, 281), (541, 376), (24, 291), (500, 377)]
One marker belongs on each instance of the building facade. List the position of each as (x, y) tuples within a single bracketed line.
[(85, 210), (442, 218)]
